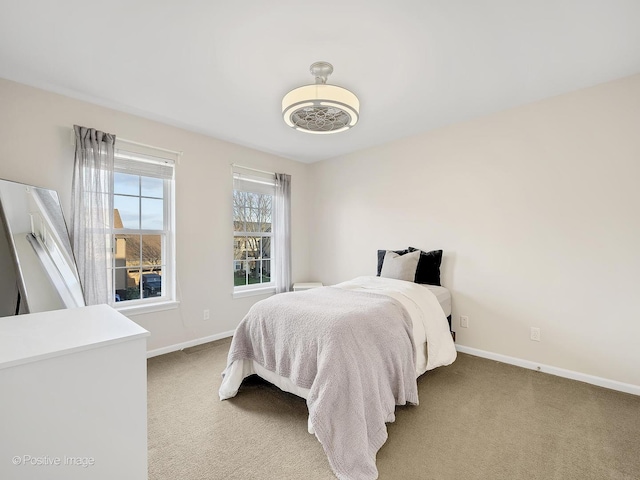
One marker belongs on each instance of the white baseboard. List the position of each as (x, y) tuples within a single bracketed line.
[(190, 343), (519, 362), (560, 372)]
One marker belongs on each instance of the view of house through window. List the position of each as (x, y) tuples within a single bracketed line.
[(141, 231), (252, 246)]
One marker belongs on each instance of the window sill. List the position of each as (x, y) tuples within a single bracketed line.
[(148, 308), (254, 291)]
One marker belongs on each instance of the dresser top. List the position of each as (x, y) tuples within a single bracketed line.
[(38, 336)]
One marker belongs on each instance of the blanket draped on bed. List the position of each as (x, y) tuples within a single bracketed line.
[(353, 350)]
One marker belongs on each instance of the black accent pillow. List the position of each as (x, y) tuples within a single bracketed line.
[(381, 254), (428, 271)]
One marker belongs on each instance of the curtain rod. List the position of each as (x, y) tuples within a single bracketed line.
[(252, 169), (131, 142)]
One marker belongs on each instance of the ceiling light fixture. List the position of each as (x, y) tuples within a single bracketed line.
[(321, 108)]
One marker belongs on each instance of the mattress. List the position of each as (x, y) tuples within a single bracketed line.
[(444, 298)]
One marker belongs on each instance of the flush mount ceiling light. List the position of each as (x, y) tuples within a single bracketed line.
[(320, 108)]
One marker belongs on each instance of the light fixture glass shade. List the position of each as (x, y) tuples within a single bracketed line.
[(320, 109)]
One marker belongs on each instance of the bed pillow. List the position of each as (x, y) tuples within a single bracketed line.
[(381, 254), (428, 271), (400, 267)]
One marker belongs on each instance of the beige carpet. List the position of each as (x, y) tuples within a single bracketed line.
[(477, 419)]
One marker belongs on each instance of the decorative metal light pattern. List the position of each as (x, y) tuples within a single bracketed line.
[(320, 108)]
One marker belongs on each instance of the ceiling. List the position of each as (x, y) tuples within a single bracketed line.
[(221, 68)]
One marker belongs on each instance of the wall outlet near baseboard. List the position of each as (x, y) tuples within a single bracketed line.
[(205, 315), (535, 334), (464, 321)]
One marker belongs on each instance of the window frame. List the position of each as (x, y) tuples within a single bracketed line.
[(261, 287), (167, 299)]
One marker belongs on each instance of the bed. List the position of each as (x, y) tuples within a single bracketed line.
[(353, 351)]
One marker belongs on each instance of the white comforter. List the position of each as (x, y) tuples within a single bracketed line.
[(429, 321)]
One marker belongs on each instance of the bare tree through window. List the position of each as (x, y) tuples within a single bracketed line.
[(252, 237)]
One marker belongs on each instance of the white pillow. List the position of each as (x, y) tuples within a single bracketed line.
[(400, 267)]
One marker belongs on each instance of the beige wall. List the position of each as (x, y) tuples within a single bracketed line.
[(537, 210), (35, 148)]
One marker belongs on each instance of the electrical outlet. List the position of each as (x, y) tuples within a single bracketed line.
[(535, 334), (464, 321), (205, 315)]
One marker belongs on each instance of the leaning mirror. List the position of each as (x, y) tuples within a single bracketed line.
[(38, 268)]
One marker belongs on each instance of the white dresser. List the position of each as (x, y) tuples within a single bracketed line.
[(73, 396)]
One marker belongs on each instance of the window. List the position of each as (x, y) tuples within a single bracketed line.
[(252, 231), (143, 234)]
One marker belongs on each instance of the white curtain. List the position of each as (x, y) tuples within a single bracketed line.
[(92, 212), (282, 232)]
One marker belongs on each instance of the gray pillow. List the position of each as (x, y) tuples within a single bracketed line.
[(400, 267)]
